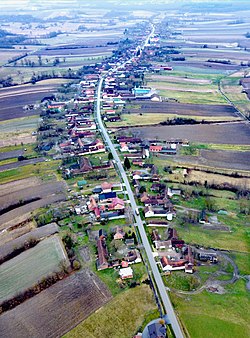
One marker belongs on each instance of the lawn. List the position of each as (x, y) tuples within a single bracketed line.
[(212, 315), (120, 318), (31, 266)]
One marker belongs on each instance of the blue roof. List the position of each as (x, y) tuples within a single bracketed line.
[(107, 195)]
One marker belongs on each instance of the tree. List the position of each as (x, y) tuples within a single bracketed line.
[(142, 189), (127, 164), (110, 156)]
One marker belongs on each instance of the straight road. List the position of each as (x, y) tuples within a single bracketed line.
[(157, 277)]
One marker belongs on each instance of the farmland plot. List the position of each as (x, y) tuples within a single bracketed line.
[(230, 133), (31, 266), (19, 243), (53, 312)]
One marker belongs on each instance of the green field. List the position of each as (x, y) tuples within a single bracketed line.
[(213, 315), (22, 124), (45, 170), (120, 318), (31, 266)]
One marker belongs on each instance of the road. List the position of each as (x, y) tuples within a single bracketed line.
[(157, 277)]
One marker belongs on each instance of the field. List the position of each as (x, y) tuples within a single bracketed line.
[(31, 266), (231, 133), (120, 318), (31, 199), (217, 315), (235, 160), (13, 99), (36, 234), (184, 109), (57, 309)]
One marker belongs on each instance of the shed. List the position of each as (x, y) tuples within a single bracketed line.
[(81, 183)]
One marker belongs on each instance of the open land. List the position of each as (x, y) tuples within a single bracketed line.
[(14, 99), (31, 199), (234, 133), (31, 266), (122, 309), (53, 312)]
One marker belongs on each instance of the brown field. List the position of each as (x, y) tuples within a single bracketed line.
[(57, 309), (181, 108), (210, 178), (17, 138), (227, 133), (205, 65), (47, 193), (72, 50), (13, 99), (12, 187), (235, 160)]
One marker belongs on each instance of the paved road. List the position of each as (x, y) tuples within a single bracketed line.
[(158, 280)]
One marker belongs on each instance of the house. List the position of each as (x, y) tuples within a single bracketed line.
[(126, 273), (116, 204), (102, 261), (156, 330), (155, 148), (85, 165), (157, 223), (172, 192), (119, 234), (133, 256), (172, 264), (150, 211), (92, 204), (106, 187), (107, 197), (156, 98), (206, 255)]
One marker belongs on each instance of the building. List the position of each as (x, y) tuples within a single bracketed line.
[(102, 261), (126, 273)]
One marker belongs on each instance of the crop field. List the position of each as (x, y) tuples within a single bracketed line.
[(52, 312), (231, 133), (201, 110), (38, 190), (120, 317), (32, 198), (234, 91), (35, 234), (31, 266), (12, 100), (235, 160)]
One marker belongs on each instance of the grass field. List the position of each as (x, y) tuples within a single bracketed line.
[(120, 318), (233, 90), (211, 315), (43, 170), (31, 266)]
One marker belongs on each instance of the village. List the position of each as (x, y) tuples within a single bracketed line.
[(85, 157)]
